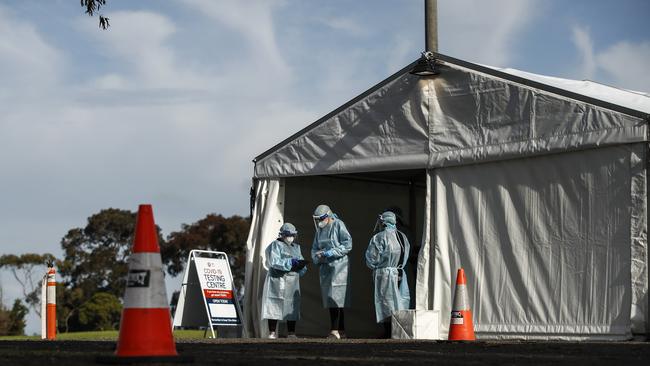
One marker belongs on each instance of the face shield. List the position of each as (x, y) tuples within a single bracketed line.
[(385, 220), (321, 221), (379, 225), (288, 233)]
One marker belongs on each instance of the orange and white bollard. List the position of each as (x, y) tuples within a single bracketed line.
[(48, 305)]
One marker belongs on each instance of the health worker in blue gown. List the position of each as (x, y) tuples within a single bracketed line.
[(281, 295), (386, 256), (332, 243)]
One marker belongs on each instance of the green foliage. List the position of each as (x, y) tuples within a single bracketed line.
[(214, 232), (28, 270), (17, 318), (12, 322), (95, 265), (95, 257), (95, 261), (68, 302), (101, 312), (25, 260)]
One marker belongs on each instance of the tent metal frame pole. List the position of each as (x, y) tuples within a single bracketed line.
[(647, 215), (431, 25), (433, 220), (377, 180)]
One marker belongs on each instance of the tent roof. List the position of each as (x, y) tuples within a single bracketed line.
[(634, 100), (404, 107)]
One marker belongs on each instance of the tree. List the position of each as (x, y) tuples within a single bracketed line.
[(12, 322), (214, 232), (28, 270), (95, 261), (68, 301), (17, 318), (101, 312), (95, 257), (92, 7)]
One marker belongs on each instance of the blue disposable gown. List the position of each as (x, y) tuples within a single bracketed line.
[(383, 257), (333, 271), (281, 295)]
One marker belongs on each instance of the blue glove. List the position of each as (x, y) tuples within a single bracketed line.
[(328, 253), (294, 262)]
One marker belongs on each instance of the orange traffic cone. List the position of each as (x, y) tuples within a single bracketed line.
[(461, 327), (145, 327)]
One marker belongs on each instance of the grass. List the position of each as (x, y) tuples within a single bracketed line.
[(107, 335)]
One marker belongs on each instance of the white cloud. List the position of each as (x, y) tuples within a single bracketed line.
[(623, 64), (483, 31), (346, 25), (28, 63), (585, 45), (139, 41), (628, 64), (253, 19)]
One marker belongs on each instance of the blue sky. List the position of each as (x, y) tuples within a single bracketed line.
[(170, 105)]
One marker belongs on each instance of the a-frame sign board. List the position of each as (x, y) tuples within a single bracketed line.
[(207, 295)]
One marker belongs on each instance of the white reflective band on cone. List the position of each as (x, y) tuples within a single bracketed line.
[(460, 298), (145, 287)]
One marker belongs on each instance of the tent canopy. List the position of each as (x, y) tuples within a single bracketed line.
[(467, 114)]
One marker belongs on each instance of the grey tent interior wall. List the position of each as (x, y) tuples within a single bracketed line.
[(358, 201)]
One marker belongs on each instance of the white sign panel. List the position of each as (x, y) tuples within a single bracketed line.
[(216, 286)]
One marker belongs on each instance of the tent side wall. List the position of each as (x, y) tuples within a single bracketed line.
[(554, 246)]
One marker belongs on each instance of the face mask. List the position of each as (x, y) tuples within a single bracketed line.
[(289, 239), (388, 225), (322, 224)]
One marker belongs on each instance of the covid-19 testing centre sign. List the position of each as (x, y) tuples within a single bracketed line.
[(207, 295)]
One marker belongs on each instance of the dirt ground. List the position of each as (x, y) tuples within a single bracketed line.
[(351, 351)]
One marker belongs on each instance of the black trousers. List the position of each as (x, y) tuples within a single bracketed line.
[(337, 319), (387, 328), (291, 325)]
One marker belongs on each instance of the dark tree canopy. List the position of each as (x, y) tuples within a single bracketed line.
[(12, 321), (92, 7), (95, 257), (101, 312), (95, 262), (213, 232)]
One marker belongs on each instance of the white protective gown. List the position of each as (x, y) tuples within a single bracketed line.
[(383, 257), (281, 295), (333, 271)]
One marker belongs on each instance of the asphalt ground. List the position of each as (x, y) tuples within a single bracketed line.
[(334, 352)]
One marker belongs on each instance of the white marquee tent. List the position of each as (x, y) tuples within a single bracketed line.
[(536, 186)]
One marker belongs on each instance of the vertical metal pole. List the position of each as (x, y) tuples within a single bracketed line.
[(431, 25)]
